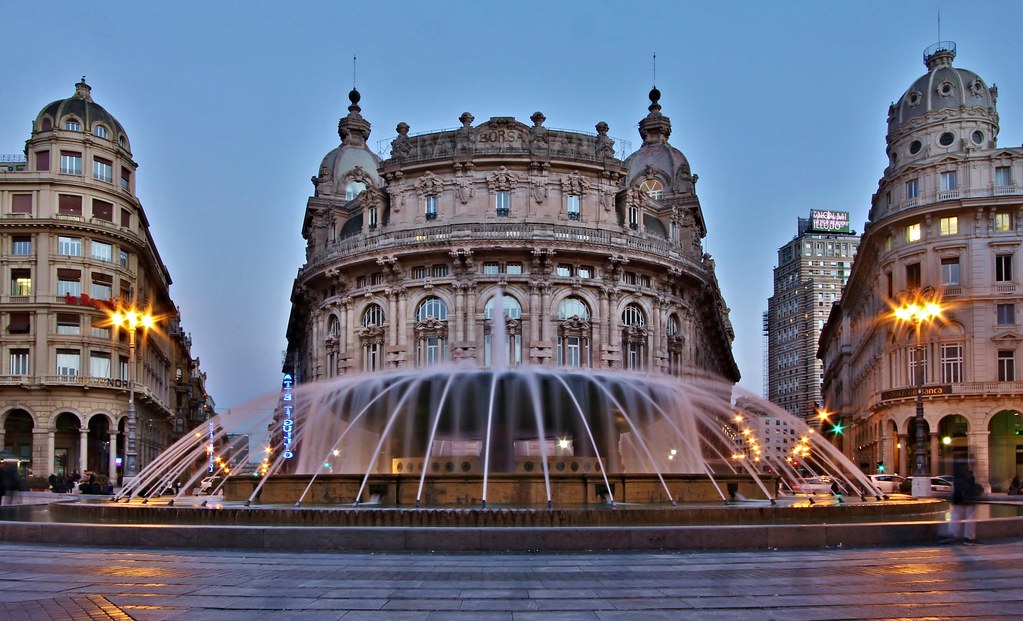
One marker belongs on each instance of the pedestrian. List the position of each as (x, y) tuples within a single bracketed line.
[(9, 482), (52, 480), (963, 526), (1014, 486)]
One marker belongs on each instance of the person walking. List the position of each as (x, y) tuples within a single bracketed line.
[(9, 482), (963, 526)]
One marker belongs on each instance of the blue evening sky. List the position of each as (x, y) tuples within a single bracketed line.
[(779, 106)]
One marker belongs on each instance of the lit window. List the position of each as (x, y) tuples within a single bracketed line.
[(950, 226), (72, 125), (1003, 221), (573, 207), (21, 282), (70, 163), (100, 131), (102, 170), (913, 232), (102, 251)]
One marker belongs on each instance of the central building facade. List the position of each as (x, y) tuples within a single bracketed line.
[(506, 243)]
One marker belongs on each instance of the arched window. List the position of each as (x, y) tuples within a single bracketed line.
[(47, 124), (353, 189), (334, 326), (653, 188), (72, 125), (676, 345), (100, 131), (634, 338), (431, 332), (574, 333), (371, 337), (512, 331)]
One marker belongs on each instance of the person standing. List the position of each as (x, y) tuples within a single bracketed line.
[(963, 526), (9, 482)]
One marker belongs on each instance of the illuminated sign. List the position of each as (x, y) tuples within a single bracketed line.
[(85, 300), (288, 425), (905, 393), (829, 221)]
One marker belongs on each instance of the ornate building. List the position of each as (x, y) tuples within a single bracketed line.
[(945, 224), (596, 262), (74, 244)]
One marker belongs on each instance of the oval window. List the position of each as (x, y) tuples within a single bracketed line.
[(945, 88), (977, 137), (915, 147), (947, 139)]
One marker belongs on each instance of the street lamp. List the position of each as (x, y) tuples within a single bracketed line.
[(133, 320), (923, 308)]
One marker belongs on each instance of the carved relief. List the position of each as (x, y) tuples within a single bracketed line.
[(429, 185), (431, 327), (502, 180), (396, 189), (463, 182), (575, 183), (538, 181)]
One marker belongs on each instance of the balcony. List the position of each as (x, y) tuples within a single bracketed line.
[(956, 194), (1007, 190), (948, 195)]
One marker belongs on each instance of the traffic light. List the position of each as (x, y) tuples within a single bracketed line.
[(880, 467)]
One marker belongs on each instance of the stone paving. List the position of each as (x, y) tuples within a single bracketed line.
[(44, 582)]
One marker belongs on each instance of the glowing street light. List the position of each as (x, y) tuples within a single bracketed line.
[(924, 308), (132, 320)]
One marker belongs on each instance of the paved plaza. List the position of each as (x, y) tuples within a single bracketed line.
[(933, 582)]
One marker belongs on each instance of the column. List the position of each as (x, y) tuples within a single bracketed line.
[(459, 331), (401, 321), (534, 312), (978, 442), (470, 315), (112, 461), (51, 453), (544, 312), (904, 456), (342, 336), (349, 327), (83, 448), (392, 306), (935, 452)]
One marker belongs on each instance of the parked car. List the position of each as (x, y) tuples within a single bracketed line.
[(208, 485), (886, 483), (940, 486)]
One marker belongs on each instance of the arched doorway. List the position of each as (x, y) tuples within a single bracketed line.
[(1005, 448), (98, 443), (18, 426), (66, 444), (953, 443)]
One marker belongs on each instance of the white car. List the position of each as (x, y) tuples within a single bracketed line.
[(886, 483), (208, 485), (812, 485)]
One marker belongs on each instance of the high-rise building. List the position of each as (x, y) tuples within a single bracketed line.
[(944, 228), (812, 269), (596, 259), (75, 246)]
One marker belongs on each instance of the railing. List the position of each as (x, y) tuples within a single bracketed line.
[(1007, 190), (12, 158), (951, 292), (1009, 288), (948, 195), (992, 389), (423, 236)]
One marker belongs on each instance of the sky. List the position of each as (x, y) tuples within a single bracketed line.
[(780, 108)]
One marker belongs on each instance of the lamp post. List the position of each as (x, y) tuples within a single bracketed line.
[(924, 308), (131, 319)]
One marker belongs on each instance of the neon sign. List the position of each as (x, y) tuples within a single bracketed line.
[(210, 448), (288, 425), (829, 221)]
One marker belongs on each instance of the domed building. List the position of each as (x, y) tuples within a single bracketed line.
[(944, 229), (506, 243), (76, 247)]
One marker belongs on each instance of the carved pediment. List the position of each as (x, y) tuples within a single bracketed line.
[(429, 185), (371, 334), (431, 327), (574, 326)]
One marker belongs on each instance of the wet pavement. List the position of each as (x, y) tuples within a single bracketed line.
[(46, 582)]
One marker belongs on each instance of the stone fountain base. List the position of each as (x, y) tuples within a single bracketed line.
[(520, 489)]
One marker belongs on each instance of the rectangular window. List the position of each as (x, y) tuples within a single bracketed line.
[(72, 126), (948, 181), (1005, 314), (21, 282), (69, 362), (584, 272), (1006, 366), (124, 259), (491, 268), (69, 323), (1003, 176), (122, 368), (913, 276), (102, 169), (102, 251), (513, 269), (99, 365), (950, 226), (126, 218), (502, 202), (440, 271), (69, 246), (563, 270), (913, 232), (21, 203), (1003, 221), (372, 218), (419, 273), (102, 210), (43, 161), (950, 271), (102, 286), (1003, 268), (21, 245), (125, 180), (69, 282), (431, 207), (20, 323), (913, 189), (573, 207), (100, 328), (70, 162), (912, 365), (69, 207), (951, 363), (19, 362), (891, 284)]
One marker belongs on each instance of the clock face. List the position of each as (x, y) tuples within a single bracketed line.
[(653, 188)]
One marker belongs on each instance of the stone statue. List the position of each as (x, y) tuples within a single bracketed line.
[(401, 147)]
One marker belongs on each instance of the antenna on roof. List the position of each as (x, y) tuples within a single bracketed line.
[(655, 69), (353, 71), (939, 25)]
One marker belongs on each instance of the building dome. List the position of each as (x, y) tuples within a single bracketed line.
[(956, 99), (350, 167), (90, 116), (657, 157)]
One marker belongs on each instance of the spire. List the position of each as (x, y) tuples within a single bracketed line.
[(353, 129), (656, 127)]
